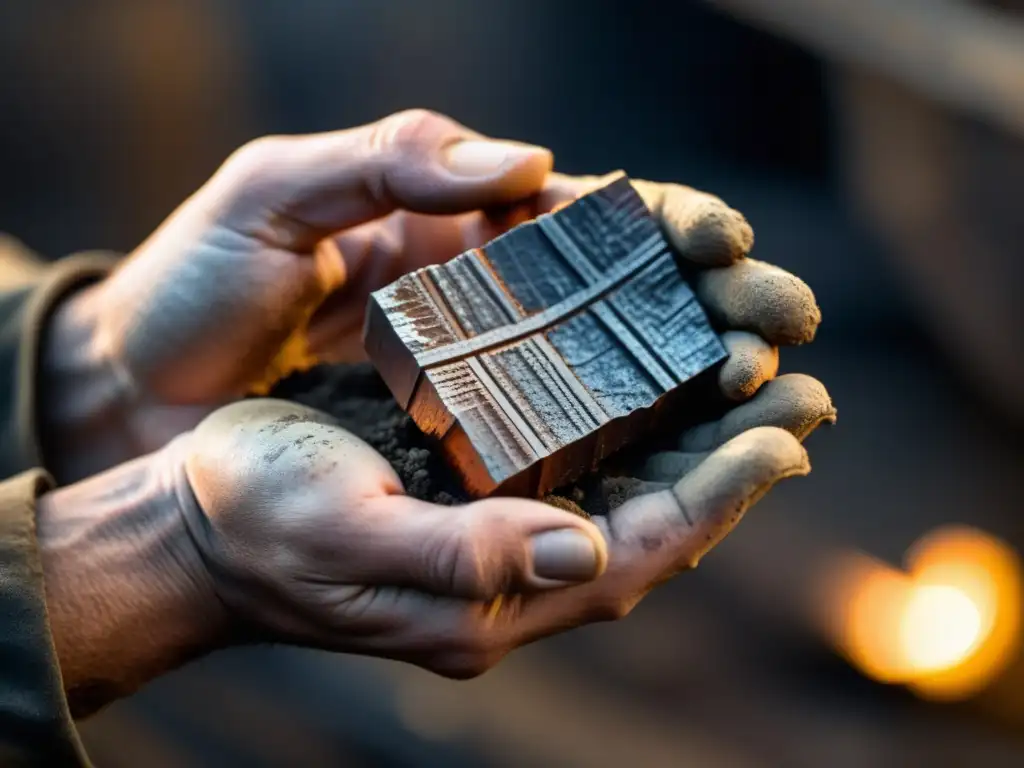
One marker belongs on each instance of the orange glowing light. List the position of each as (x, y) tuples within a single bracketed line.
[(946, 626), (939, 627)]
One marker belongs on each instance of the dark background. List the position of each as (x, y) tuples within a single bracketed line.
[(901, 210)]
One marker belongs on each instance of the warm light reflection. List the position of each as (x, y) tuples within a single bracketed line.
[(939, 627), (946, 626)]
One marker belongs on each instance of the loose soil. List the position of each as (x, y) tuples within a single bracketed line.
[(359, 399)]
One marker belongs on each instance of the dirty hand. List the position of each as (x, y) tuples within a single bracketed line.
[(311, 541), (269, 523), (270, 263)]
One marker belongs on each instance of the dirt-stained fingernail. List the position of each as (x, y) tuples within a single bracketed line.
[(566, 555)]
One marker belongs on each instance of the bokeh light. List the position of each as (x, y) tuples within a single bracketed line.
[(946, 626), (939, 627)]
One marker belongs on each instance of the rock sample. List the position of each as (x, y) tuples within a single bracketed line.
[(533, 358)]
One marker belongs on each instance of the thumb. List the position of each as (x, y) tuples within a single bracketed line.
[(480, 550), (296, 190)]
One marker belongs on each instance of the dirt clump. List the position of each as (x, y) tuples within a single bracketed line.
[(359, 399)]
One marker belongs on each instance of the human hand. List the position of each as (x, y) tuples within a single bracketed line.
[(311, 541), (270, 523), (219, 299), (269, 265)]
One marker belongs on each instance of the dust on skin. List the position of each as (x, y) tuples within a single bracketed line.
[(315, 443)]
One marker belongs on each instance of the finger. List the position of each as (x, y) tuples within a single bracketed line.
[(752, 361), (754, 296), (480, 550), (655, 536), (652, 537), (794, 402), (666, 466), (678, 526), (701, 227), (292, 192), (561, 189), (377, 253)]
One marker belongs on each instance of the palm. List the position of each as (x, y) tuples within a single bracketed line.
[(377, 253)]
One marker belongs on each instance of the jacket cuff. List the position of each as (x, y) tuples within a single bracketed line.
[(36, 728), (20, 356)]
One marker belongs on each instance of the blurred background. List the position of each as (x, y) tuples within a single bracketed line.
[(877, 147)]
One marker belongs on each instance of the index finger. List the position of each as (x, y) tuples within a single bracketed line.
[(294, 191)]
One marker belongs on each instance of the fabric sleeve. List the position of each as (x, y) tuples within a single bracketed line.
[(35, 724), (36, 728), (24, 310)]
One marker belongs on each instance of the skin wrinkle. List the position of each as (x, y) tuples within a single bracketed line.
[(122, 568), (200, 532), (285, 231), (683, 511)]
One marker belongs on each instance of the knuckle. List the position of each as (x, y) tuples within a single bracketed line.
[(253, 170), (398, 149), (459, 562), (264, 145), (416, 117), (390, 146), (405, 131), (258, 154), (478, 556)]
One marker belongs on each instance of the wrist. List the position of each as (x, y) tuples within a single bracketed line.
[(83, 401), (127, 593)]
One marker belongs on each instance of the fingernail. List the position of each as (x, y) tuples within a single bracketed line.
[(486, 158), (565, 555)]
